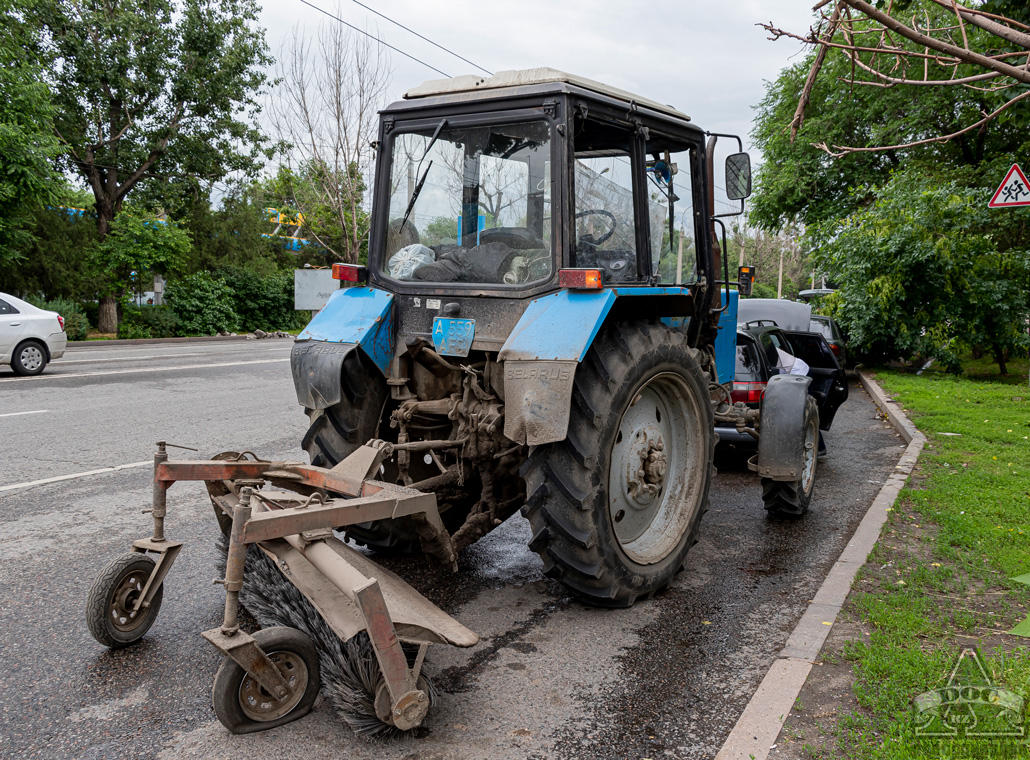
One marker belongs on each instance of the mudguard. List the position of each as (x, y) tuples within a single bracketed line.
[(540, 358), (353, 318), (780, 454)]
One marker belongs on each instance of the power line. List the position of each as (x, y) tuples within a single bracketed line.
[(422, 37), (381, 42)]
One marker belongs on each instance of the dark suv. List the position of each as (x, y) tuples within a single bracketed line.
[(758, 360)]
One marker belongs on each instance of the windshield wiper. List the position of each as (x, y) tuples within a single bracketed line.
[(422, 178)]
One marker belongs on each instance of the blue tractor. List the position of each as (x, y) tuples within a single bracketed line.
[(542, 326), (539, 327)]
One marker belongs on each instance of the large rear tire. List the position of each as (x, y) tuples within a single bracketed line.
[(792, 499), (615, 507)]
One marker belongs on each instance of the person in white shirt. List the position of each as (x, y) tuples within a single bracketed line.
[(792, 364)]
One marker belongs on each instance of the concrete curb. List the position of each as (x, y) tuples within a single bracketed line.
[(758, 726), (76, 344)]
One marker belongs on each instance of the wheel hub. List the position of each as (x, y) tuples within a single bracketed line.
[(123, 616), (258, 705), (647, 478)]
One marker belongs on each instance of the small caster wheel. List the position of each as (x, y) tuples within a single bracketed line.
[(243, 706), (109, 606)]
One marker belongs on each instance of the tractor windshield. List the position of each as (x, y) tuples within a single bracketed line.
[(471, 205)]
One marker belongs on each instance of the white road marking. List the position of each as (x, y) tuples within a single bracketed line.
[(16, 414), (29, 483), (127, 358), (53, 376)]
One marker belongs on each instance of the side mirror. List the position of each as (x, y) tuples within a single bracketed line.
[(745, 280), (738, 176)]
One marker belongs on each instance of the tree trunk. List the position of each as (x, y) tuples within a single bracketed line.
[(107, 321), (999, 357)]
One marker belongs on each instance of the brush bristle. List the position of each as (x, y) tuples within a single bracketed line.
[(350, 671)]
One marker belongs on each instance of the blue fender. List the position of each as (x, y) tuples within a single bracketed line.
[(353, 318)]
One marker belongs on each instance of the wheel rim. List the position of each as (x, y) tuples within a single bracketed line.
[(810, 456), (126, 592), (31, 358), (260, 706), (656, 469)]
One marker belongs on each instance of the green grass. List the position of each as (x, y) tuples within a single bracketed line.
[(939, 578)]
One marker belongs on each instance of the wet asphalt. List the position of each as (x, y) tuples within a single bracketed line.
[(551, 678)]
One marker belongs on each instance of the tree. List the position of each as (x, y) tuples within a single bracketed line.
[(27, 142), (134, 245), (920, 273), (326, 109), (147, 89), (929, 44)]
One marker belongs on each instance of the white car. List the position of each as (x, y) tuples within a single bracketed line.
[(29, 337)]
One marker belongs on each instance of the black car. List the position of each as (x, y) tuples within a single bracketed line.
[(835, 337), (758, 359)]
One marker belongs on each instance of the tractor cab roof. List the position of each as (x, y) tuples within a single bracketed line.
[(526, 83)]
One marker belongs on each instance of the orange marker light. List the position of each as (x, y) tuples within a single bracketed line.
[(350, 272), (580, 279)]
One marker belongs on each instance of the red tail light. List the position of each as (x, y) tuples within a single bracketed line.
[(60, 321), (749, 393), (836, 349), (579, 279), (350, 272)]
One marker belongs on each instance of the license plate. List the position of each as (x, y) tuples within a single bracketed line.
[(453, 337)]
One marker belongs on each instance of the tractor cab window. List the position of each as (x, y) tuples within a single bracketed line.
[(669, 187), (605, 228), (470, 204)]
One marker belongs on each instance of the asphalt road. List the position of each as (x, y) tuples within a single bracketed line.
[(551, 678)]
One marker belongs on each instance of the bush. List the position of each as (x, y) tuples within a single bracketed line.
[(262, 303), (148, 322), (203, 304), (76, 323)]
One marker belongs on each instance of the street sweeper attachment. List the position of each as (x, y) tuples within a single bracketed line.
[(336, 615)]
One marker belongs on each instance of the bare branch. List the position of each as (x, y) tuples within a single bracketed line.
[(806, 92)]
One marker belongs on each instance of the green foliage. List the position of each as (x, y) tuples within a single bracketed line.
[(203, 304), (262, 303), (920, 273), (27, 142), (798, 181), (163, 94), (440, 230), (136, 244), (761, 290), (149, 322), (76, 324)]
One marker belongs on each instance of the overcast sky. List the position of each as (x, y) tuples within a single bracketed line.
[(708, 59)]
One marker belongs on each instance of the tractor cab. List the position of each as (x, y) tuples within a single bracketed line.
[(527, 182)]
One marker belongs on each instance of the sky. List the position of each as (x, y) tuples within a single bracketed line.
[(708, 59)]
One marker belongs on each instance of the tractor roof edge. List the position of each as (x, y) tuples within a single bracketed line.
[(526, 77)]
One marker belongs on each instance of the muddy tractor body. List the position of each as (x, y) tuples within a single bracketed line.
[(544, 324)]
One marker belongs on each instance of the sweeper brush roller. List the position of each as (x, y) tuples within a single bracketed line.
[(331, 617)]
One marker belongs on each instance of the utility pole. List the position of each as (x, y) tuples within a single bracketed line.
[(779, 281)]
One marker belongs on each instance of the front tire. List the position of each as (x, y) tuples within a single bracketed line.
[(109, 614), (243, 706), (615, 507), (792, 499), (30, 358)]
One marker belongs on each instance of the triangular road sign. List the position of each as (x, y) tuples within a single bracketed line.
[(1013, 191)]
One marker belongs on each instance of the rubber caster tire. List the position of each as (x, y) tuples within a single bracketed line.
[(30, 358), (109, 604), (243, 707)]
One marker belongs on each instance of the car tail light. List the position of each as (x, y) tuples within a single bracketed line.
[(836, 349), (60, 321), (350, 272), (749, 393), (579, 279)]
